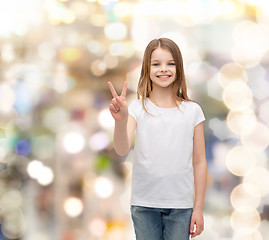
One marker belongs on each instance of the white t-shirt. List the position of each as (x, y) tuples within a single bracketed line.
[(162, 165)]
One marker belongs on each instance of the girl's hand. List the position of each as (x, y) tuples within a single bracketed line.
[(118, 107), (197, 220)]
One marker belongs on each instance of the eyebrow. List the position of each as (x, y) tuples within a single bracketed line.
[(156, 60)]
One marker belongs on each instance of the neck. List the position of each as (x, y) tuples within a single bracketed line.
[(162, 97)]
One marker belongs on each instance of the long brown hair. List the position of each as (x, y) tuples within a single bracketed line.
[(179, 88)]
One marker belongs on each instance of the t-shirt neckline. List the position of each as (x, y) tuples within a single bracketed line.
[(165, 109)]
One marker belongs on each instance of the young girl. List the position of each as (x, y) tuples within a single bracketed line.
[(169, 151)]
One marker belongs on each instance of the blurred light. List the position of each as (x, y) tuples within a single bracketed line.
[(96, 48), (111, 61), (251, 43), (43, 147), (61, 82), (105, 2), (98, 20), (34, 169), (105, 119), (230, 9), (98, 67), (97, 227), (116, 31), (73, 206), (10, 199), (46, 50), (59, 13), (256, 182), (46, 176), (262, 13), (13, 224), (7, 53), (245, 220), (241, 198), (16, 16), (39, 236), (103, 187), (231, 72), (117, 49), (260, 88), (264, 112), (256, 235), (70, 54), (240, 160), (99, 141), (55, 113), (24, 97), (237, 96), (73, 142), (7, 98), (258, 139), (123, 9), (80, 9), (242, 122), (23, 147)]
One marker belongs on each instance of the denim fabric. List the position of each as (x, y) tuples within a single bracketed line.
[(161, 223)]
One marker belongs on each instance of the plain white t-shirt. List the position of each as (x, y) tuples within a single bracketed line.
[(162, 165)]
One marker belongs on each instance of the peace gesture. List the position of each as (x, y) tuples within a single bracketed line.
[(118, 107)]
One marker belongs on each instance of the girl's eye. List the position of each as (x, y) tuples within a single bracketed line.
[(155, 64), (171, 64)]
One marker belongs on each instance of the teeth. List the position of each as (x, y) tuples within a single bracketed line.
[(164, 76)]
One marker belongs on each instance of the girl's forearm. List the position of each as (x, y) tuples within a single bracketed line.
[(120, 140), (200, 180)]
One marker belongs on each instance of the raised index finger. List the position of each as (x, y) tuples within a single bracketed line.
[(124, 90), (114, 93)]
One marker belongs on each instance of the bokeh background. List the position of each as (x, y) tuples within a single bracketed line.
[(60, 178)]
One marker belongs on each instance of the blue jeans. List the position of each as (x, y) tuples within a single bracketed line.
[(161, 223)]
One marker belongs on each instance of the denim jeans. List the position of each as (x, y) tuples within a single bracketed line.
[(161, 223)]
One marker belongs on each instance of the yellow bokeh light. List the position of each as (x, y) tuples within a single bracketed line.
[(256, 182), (246, 220), (242, 122), (240, 160), (70, 54), (231, 72), (241, 198), (258, 139), (229, 9), (237, 96)]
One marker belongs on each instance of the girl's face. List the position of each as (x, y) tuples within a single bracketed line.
[(162, 69)]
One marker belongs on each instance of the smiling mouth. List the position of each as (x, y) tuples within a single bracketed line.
[(163, 76)]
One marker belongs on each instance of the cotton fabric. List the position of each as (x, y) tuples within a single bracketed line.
[(162, 165)]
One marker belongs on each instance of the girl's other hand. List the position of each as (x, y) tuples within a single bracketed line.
[(118, 107), (197, 223)]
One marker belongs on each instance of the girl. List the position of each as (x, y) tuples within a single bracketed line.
[(169, 151)]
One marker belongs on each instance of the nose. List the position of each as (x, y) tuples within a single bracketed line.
[(163, 68)]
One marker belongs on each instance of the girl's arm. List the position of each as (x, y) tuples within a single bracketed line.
[(123, 135), (200, 179), (125, 124)]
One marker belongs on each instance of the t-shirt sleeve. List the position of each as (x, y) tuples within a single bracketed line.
[(199, 115), (134, 109)]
